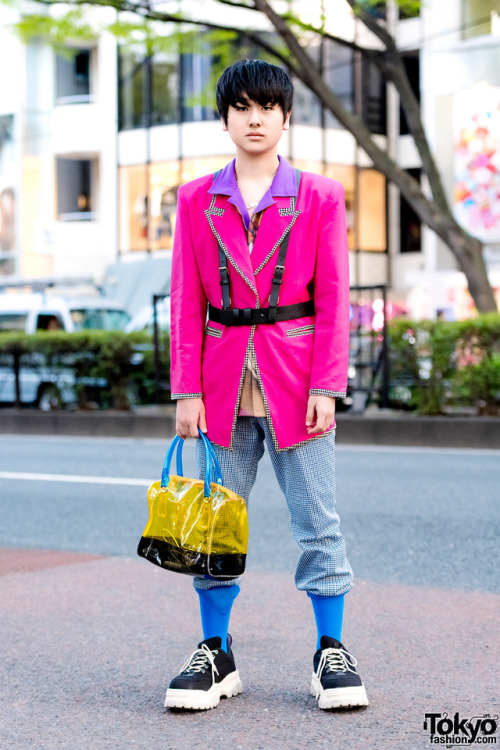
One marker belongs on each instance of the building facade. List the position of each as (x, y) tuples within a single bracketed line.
[(95, 141)]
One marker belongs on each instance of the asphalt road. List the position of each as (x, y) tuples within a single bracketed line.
[(412, 516), (90, 635)]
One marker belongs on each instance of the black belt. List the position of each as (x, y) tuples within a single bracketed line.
[(249, 316)]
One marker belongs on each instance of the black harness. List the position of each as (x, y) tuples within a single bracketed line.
[(249, 316)]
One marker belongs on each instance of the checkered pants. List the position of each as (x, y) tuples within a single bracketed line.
[(306, 476)]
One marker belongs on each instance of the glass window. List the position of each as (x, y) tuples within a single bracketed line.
[(339, 77), (73, 77), (197, 103), (12, 321), (99, 319), (346, 175), (478, 17), (147, 83), (372, 211), (8, 202), (411, 227), (165, 86), (412, 67), (133, 207), (47, 322), (407, 8), (198, 167), (148, 200), (74, 189), (131, 89), (373, 98), (306, 105), (164, 184)]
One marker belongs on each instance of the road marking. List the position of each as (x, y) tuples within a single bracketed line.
[(190, 444), (74, 478)]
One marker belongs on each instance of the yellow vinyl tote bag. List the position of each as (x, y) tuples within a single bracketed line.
[(196, 526)]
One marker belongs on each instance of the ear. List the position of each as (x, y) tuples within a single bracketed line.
[(224, 124), (286, 124)]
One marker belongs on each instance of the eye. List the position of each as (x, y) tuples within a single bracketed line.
[(240, 107), (268, 107)]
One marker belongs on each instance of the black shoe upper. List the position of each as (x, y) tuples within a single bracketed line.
[(337, 667), (208, 664)]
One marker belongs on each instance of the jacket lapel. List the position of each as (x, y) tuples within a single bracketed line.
[(276, 223), (227, 226)]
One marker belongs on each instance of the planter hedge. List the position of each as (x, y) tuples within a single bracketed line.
[(112, 369), (447, 366)]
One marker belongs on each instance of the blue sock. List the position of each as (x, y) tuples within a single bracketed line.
[(328, 612), (215, 609)]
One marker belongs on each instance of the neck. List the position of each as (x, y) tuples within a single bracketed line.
[(256, 167)]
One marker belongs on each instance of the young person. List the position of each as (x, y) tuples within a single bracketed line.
[(265, 247)]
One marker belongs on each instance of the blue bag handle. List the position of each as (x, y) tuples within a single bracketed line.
[(210, 458)]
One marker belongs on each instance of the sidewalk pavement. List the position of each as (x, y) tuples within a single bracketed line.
[(382, 427), (89, 645)]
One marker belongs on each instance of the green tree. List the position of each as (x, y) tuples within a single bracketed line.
[(289, 46)]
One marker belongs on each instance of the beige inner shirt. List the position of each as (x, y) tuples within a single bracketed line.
[(251, 401)]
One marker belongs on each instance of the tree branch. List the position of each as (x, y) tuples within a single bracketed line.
[(309, 75), (152, 15), (236, 4), (392, 66), (371, 24)]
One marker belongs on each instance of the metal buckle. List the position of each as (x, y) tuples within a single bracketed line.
[(278, 275)]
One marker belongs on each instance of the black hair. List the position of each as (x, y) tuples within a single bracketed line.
[(257, 80)]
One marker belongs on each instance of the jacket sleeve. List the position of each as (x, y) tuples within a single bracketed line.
[(331, 300), (188, 310)]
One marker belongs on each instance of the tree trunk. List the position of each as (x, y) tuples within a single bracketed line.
[(433, 211), (469, 253)]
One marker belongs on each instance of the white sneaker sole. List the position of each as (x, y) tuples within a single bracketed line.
[(348, 697), (199, 700)]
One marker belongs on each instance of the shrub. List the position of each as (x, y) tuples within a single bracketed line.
[(447, 365), (110, 367)]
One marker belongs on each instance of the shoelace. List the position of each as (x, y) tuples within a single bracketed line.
[(335, 660), (199, 661)]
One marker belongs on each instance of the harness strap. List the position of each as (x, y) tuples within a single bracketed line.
[(272, 314), (224, 273), (250, 316)]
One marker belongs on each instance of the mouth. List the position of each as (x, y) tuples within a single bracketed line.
[(255, 135)]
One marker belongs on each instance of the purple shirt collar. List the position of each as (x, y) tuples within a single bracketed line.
[(283, 184)]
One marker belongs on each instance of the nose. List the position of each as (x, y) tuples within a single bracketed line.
[(254, 116)]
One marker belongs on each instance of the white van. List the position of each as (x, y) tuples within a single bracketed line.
[(37, 312), (143, 320), (42, 386)]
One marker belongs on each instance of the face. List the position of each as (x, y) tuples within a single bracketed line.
[(255, 128)]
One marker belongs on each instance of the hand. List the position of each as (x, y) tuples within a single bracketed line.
[(320, 414), (190, 413)]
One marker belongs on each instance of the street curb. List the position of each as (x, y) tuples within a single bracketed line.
[(88, 424), (381, 428), (413, 430)]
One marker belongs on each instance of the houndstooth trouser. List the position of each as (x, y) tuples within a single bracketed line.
[(306, 476)]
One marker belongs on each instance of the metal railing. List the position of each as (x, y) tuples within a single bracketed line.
[(368, 348), (368, 356)]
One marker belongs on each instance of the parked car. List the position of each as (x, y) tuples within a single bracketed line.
[(143, 319), (38, 312), (40, 385)]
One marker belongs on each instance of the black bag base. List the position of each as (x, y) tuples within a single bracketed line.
[(192, 563)]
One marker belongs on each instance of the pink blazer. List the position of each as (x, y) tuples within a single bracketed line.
[(295, 358)]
